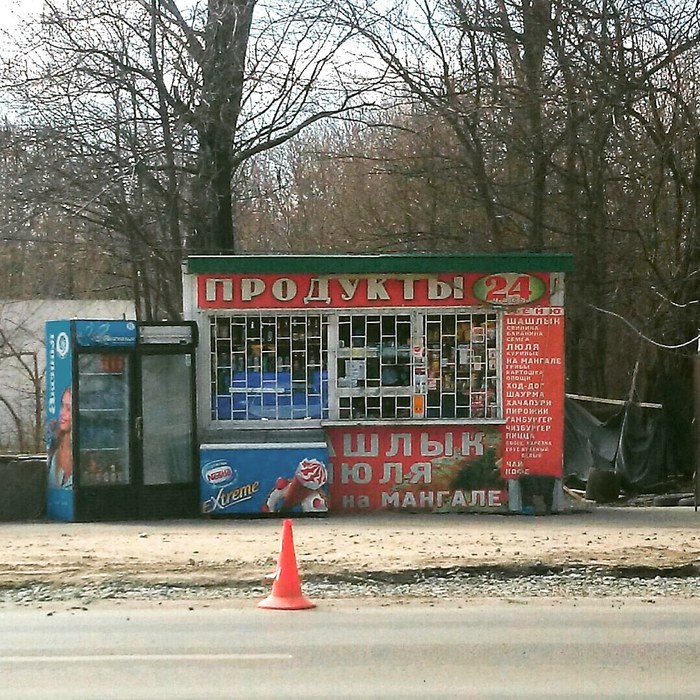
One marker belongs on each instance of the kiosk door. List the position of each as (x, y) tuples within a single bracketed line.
[(104, 475), (165, 428)]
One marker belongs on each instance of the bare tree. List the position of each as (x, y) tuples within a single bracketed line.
[(573, 125), (481, 69), (21, 385), (388, 180), (158, 106)]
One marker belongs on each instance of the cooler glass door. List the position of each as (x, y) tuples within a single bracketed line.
[(103, 419), (166, 401)]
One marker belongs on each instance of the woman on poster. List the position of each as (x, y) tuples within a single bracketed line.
[(60, 454)]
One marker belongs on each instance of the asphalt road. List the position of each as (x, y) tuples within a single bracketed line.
[(492, 649)]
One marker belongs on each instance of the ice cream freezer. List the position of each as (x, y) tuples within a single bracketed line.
[(264, 478)]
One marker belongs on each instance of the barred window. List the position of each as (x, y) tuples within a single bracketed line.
[(271, 367), (374, 367), (462, 352), (385, 361), (356, 365)]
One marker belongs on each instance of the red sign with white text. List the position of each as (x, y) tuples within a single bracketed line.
[(431, 468), (533, 392), (237, 291)]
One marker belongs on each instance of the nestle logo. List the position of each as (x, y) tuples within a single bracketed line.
[(218, 472)]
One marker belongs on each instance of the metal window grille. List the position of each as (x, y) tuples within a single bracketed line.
[(269, 367), (378, 373), (462, 356), (276, 367), (374, 369)]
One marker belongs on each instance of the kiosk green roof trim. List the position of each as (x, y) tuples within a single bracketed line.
[(380, 264)]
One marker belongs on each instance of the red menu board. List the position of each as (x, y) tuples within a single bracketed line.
[(533, 392)]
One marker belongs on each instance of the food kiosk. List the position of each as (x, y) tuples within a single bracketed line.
[(378, 382)]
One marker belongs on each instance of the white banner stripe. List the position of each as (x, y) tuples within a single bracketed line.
[(142, 657)]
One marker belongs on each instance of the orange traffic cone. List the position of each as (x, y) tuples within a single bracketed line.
[(286, 588)]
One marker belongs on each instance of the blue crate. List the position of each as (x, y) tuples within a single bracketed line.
[(223, 408), (319, 382), (269, 380)]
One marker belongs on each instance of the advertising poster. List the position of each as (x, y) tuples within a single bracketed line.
[(264, 479), (533, 392), (416, 468), (59, 420)]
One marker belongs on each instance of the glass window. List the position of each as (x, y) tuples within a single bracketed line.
[(384, 362), (462, 355), (383, 366), (269, 367), (374, 367)]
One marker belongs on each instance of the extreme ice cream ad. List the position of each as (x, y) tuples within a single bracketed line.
[(264, 479)]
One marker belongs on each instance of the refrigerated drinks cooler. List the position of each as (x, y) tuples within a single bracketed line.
[(120, 418)]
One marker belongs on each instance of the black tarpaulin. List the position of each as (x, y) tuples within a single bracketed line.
[(643, 458), (633, 442), (588, 442)]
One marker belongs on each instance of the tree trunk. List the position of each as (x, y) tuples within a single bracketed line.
[(223, 73)]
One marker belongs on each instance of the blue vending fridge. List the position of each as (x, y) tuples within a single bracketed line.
[(120, 420)]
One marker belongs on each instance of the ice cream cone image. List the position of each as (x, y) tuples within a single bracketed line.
[(310, 476), (295, 493)]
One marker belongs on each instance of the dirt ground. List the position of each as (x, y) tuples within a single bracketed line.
[(220, 552)]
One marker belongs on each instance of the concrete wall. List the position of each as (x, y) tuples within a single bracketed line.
[(23, 492), (22, 359)]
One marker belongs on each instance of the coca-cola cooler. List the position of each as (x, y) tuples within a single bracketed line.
[(264, 478), (120, 418)]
